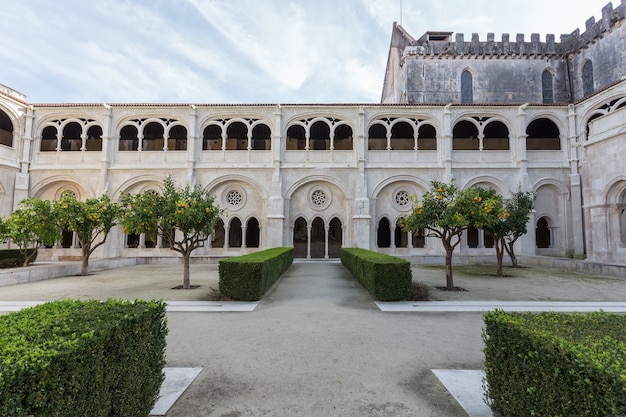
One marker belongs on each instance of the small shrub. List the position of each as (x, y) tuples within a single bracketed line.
[(418, 292)]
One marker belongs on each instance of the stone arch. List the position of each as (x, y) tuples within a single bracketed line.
[(542, 133), (7, 127), (465, 135), (487, 181), (139, 184), (551, 203), (53, 187)]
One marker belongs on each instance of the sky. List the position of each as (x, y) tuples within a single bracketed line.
[(240, 51)]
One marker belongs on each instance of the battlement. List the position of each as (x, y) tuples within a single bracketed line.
[(441, 43)]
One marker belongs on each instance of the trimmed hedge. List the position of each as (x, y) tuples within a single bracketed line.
[(12, 258), (248, 277), (387, 278), (82, 358), (555, 364)]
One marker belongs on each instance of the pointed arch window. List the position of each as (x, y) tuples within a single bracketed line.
[(547, 90), (467, 89), (587, 75), (6, 130)]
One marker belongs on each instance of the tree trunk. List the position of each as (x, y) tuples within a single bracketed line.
[(84, 269), (449, 278), (509, 249), (499, 243), (186, 257)]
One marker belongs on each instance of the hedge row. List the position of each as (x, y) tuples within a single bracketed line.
[(82, 358), (12, 258), (555, 364), (387, 278), (248, 277)]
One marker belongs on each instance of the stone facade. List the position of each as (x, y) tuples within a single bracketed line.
[(318, 177)]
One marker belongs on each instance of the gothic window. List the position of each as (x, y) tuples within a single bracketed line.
[(261, 137), (49, 139), (6, 130), (177, 138), (622, 221), (496, 137), (377, 138), (129, 138), (71, 140), (237, 136), (472, 237), (587, 74), (253, 233), (296, 139), (343, 138), (234, 233), (212, 138), (427, 138), (465, 136), (153, 137), (419, 239), (383, 236), (547, 91), (320, 136), (542, 233), (402, 137), (94, 139), (467, 90), (542, 135), (218, 235), (401, 238)]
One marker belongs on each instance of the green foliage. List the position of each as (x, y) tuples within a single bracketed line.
[(11, 258), (82, 358), (31, 225), (387, 278), (189, 210), (248, 277), (555, 364), (91, 220), (445, 212)]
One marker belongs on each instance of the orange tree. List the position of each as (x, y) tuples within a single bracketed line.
[(30, 226), (183, 216), (506, 232), (445, 212), (91, 220)]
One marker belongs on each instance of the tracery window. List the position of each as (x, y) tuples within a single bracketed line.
[(467, 89), (587, 75), (547, 91)]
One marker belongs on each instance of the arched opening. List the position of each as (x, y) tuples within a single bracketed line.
[(94, 139), (153, 137), (465, 136), (49, 139), (129, 140), (296, 139), (419, 239), (212, 138), (318, 235), (587, 76), (542, 233), (496, 137), (237, 136), (400, 238), (6, 130), (427, 138), (177, 140), (320, 136), (261, 138), (542, 135), (472, 237), (253, 233), (343, 138), (132, 240), (300, 238), (71, 140), (622, 224), (547, 91), (234, 233), (467, 89), (335, 238), (218, 235), (383, 234), (67, 238), (402, 137), (377, 137)]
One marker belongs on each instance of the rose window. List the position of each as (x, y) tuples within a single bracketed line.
[(402, 198), (234, 198), (318, 197)]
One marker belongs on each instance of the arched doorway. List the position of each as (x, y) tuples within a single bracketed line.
[(317, 238), (335, 236), (542, 233), (300, 238)]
